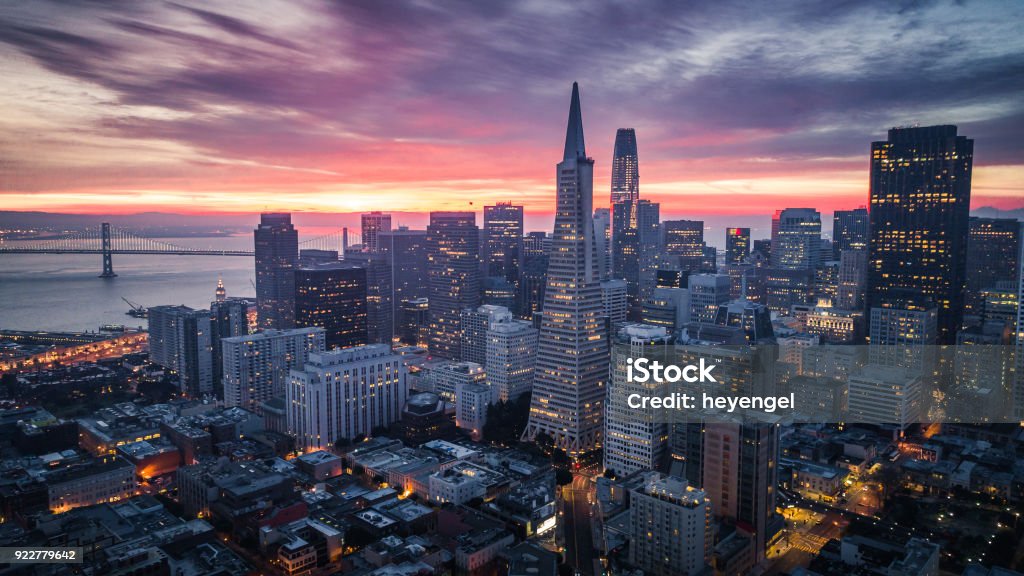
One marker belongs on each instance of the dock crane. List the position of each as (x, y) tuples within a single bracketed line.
[(137, 310)]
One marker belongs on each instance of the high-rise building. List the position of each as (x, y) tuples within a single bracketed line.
[(670, 526), (737, 467), (633, 439), (503, 248), (603, 236), (379, 309), (333, 297), (614, 300), (852, 275), (532, 283), (511, 357), (472, 399), (685, 238), (849, 231), (992, 247), (920, 194), (635, 239), (1018, 385), (445, 378), (415, 322), (256, 366), (373, 225), (407, 253), (884, 395), (475, 323), (763, 247), (277, 254), (737, 245), (180, 340), (796, 239), (707, 293), (228, 318), (344, 393), (668, 308), (453, 270), (572, 357), (625, 167)]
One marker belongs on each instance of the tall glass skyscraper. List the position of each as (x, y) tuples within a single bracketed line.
[(625, 167), (849, 231), (572, 359), (920, 200), (503, 231), (373, 225), (796, 239), (453, 276), (737, 245), (333, 297), (277, 255)]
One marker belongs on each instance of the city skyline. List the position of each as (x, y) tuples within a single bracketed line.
[(723, 106)]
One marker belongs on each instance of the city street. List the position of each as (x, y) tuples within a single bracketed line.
[(577, 501)]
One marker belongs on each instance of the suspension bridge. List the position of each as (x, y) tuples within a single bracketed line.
[(107, 240)]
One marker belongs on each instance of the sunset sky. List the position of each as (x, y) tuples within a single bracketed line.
[(131, 106)]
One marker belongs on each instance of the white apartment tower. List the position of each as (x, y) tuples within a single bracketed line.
[(257, 366), (344, 393), (511, 358), (670, 525)]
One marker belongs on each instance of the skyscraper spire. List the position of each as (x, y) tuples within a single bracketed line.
[(574, 147), (572, 348)]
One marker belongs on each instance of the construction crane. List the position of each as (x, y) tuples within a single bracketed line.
[(137, 310)]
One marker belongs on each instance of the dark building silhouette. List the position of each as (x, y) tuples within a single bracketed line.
[(737, 245), (277, 254), (635, 239), (407, 253), (333, 297), (849, 231), (415, 321), (920, 198), (503, 237), (453, 271), (380, 324), (993, 245)]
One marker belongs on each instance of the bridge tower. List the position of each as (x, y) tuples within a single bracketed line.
[(108, 265)]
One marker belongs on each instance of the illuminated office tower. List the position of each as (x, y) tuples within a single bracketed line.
[(256, 366), (333, 297), (603, 237), (453, 272), (415, 322), (635, 232), (344, 393), (992, 247), (572, 358), (707, 293), (277, 254), (849, 231), (737, 245), (503, 246), (625, 167), (685, 239), (475, 323), (634, 439), (614, 300), (668, 308), (670, 526), (511, 357), (373, 225), (920, 193), (796, 239)]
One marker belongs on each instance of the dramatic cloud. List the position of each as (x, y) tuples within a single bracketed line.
[(417, 105)]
